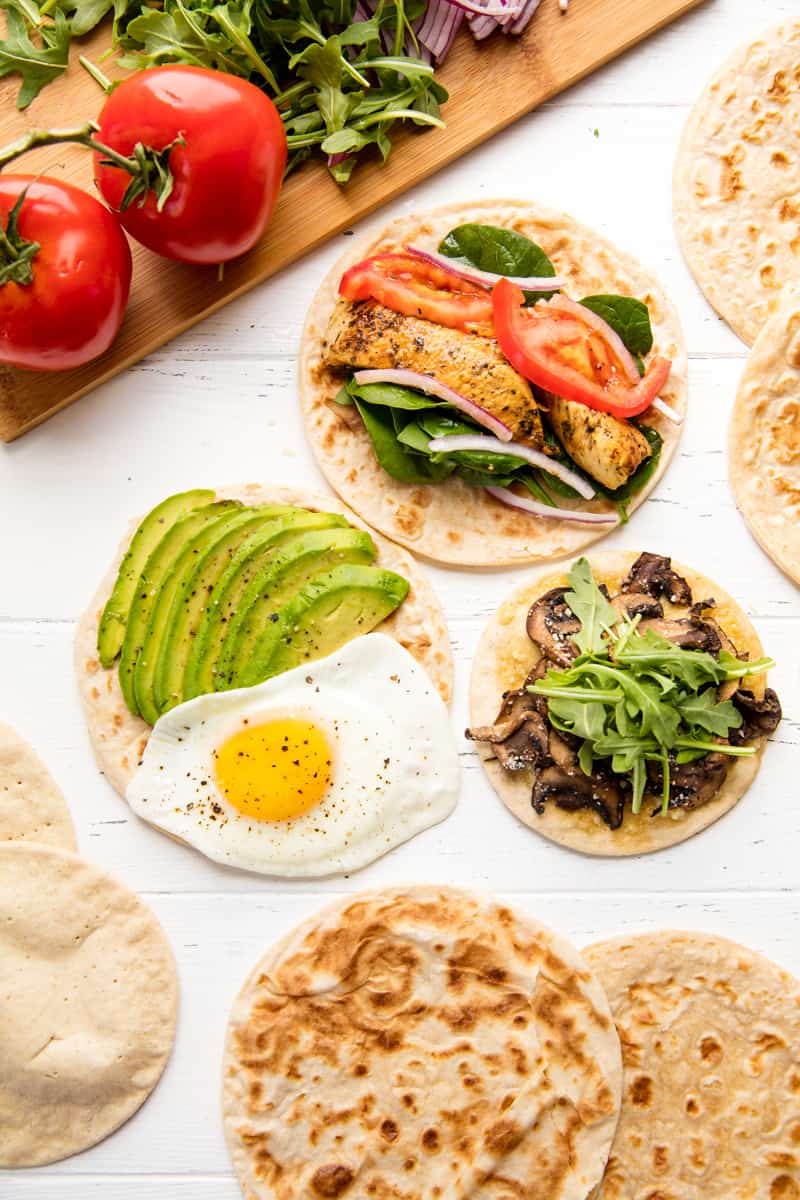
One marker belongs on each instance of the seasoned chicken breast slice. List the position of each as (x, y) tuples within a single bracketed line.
[(367, 335), (608, 449)]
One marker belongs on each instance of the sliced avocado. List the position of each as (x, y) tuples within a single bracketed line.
[(111, 632), (158, 622), (251, 559), (155, 569), (195, 592), (296, 564), (330, 610)]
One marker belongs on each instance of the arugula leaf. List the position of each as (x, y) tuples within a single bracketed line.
[(37, 65), (591, 608), (628, 317), (703, 711), (502, 251)]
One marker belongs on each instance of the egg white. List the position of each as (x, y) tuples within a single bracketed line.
[(395, 764)]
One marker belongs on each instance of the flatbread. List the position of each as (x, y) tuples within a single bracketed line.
[(710, 1038), (736, 185), (503, 659), (764, 439), (89, 1004), (32, 808), (452, 522), (119, 738), (420, 1042)]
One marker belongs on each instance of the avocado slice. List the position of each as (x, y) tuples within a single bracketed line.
[(111, 632), (295, 565), (330, 610), (170, 591), (253, 558), (149, 582)]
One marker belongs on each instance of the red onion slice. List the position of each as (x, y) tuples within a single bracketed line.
[(667, 411), (447, 445), (542, 510), (603, 328), (440, 391), (487, 279), (498, 8)]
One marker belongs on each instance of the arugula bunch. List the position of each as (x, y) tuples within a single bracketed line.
[(635, 698), (340, 83), (401, 422)]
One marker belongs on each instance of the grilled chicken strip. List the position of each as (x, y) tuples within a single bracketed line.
[(608, 449), (367, 335)]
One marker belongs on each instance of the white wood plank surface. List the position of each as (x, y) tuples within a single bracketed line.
[(219, 405)]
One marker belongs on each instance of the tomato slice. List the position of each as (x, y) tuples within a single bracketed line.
[(559, 352), (408, 285)]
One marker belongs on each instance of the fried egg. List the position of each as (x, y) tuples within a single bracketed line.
[(319, 770)]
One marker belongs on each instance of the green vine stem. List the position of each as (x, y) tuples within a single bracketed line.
[(149, 169)]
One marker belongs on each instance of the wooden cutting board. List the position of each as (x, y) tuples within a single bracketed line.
[(490, 86)]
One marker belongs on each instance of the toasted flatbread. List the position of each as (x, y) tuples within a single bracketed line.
[(710, 1034), (119, 738), (451, 522), (420, 1041), (764, 439), (503, 659), (736, 185)]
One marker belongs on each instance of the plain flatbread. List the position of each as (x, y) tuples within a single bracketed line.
[(452, 522), (420, 1042), (89, 1004), (503, 659), (32, 808), (736, 185), (764, 440), (119, 738), (710, 1038)]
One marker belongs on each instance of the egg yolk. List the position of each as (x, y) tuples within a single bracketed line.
[(274, 771)]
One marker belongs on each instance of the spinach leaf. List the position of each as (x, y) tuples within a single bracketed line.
[(394, 458), (502, 251), (391, 395), (628, 317)]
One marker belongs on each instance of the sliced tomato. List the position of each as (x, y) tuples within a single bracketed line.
[(408, 285), (561, 353)]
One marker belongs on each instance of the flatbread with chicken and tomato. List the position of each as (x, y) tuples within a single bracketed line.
[(493, 383)]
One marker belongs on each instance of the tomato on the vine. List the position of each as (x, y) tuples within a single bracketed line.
[(65, 274), (220, 154)]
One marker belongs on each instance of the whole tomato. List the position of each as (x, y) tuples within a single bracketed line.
[(61, 304), (227, 168)]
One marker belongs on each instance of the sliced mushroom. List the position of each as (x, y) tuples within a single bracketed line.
[(653, 574), (691, 785), (520, 734), (637, 604), (688, 633), (551, 624), (761, 717), (572, 791)]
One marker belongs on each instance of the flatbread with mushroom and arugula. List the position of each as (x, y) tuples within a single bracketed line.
[(621, 707), (493, 383)]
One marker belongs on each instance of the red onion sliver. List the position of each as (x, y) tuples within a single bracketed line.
[(440, 391), (667, 411), (528, 9), (454, 443), (603, 328), (487, 279), (542, 510), (498, 8)]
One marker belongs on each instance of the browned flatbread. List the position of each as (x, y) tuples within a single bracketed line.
[(119, 738), (450, 521), (710, 1038), (764, 437), (736, 186), (503, 659), (420, 1042)]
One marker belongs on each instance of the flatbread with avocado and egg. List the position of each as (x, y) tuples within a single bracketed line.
[(224, 588), (492, 383), (621, 706)]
